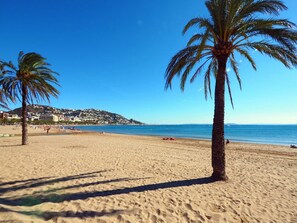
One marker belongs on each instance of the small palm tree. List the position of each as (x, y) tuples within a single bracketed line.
[(234, 28), (31, 80)]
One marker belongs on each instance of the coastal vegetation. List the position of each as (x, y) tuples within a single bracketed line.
[(32, 80), (234, 29)]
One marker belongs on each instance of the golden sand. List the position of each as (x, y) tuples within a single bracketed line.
[(117, 178)]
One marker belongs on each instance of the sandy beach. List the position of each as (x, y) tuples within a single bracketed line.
[(92, 177)]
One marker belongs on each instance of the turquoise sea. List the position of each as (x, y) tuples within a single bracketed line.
[(263, 134)]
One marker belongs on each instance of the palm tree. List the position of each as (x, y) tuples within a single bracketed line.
[(31, 80), (233, 28)]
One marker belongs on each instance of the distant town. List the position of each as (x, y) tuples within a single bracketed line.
[(40, 114)]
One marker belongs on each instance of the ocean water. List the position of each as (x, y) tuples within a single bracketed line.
[(263, 134)]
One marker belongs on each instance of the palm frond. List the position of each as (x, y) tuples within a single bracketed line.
[(261, 7), (285, 56), (229, 90), (245, 54), (198, 71), (185, 75), (183, 61), (207, 79), (200, 37), (234, 66), (203, 24)]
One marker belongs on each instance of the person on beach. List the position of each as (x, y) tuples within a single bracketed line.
[(47, 128)]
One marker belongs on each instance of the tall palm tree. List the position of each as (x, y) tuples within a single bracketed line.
[(31, 80), (233, 28)]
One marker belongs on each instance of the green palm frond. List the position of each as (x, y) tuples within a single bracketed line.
[(229, 90), (203, 24), (200, 37), (245, 54), (198, 71), (286, 56), (263, 27), (207, 78), (251, 7), (179, 62), (234, 66)]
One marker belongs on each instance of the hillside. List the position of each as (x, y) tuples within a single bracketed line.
[(77, 115)]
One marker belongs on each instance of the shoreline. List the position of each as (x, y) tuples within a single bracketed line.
[(63, 129), (248, 141)]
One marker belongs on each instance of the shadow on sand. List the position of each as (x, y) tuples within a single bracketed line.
[(57, 198), (50, 195), (52, 215), (13, 145), (23, 181), (36, 182)]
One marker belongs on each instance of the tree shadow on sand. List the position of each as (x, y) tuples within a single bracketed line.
[(23, 181), (57, 198), (36, 182), (12, 145), (40, 197), (52, 215)]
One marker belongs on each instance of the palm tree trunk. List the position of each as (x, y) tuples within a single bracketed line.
[(24, 116), (218, 141)]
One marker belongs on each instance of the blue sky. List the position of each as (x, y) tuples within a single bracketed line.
[(112, 55)]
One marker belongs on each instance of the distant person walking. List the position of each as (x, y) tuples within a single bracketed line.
[(47, 129)]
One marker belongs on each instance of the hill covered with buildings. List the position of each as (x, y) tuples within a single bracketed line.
[(89, 116)]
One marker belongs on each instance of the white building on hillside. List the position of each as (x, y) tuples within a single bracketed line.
[(13, 116), (49, 117)]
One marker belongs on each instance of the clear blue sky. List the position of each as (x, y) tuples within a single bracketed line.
[(112, 55)]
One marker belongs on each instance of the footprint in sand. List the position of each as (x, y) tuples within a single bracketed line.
[(154, 219), (189, 207)]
